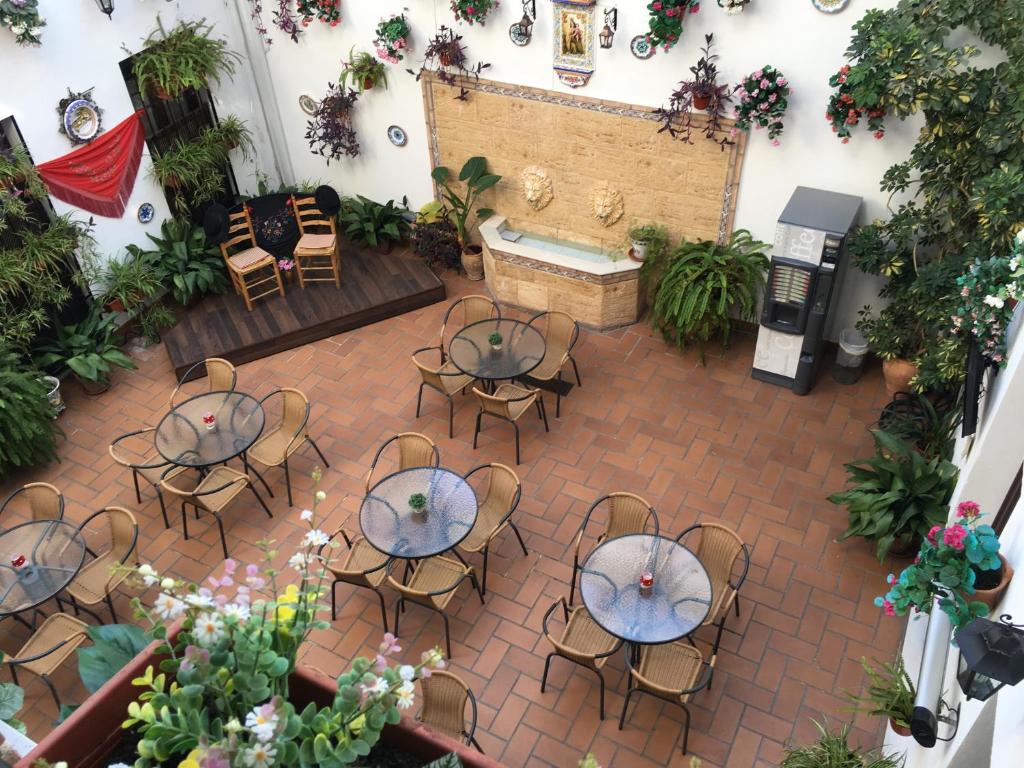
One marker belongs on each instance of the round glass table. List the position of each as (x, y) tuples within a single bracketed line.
[(188, 437), (671, 608), (389, 522), (37, 560), (521, 350)]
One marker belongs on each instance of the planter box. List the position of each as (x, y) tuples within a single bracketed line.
[(88, 737)]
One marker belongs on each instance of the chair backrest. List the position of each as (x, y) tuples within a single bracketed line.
[(493, 404), (124, 530), (294, 411), (444, 703), (240, 233), (502, 488), (309, 216), (560, 331), (431, 376), (416, 450), (628, 513), (45, 502), (220, 376), (474, 308), (718, 550)]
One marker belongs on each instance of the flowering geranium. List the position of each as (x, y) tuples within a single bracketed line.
[(763, 97), (844, 113), (988, 291), (946, 566), (22, 18), (392, 38), (327, 11), (473, 11), (666, 21)]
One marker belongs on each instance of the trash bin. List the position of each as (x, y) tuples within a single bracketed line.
[(850, 357)]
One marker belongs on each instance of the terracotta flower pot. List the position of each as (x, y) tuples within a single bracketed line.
[(445, 57), (701, 101), (473, 262), (899, 730), (897, 374), (368, 84), (115, 305), (991, 597)]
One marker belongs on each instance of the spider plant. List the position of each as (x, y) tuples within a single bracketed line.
[(890, 692), (185, 57), (833, 750)]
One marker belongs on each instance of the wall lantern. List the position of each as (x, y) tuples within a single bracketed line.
[(991, 656), (611, 26), (522, 31), (107, 7)]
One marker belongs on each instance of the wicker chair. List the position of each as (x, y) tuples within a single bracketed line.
[(561, 332), (220, 374), (414, 450), (433, 584), (508, 403), (218, 489), (582, 642), (48, 648), (136, 453), (474, 308), (316, 253), (719, 551), (446, 379), (444, 706), (365, 566), (672, 672), (285, 438), (627, 513), (247, 263), (44, 501), (96, 581), (500, 499)]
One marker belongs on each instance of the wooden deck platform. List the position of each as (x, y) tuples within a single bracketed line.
[(374, 287)]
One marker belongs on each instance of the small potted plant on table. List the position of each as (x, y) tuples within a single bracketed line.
[(495, 341), (418, 504)]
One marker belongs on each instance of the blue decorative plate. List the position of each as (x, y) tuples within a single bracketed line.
[(397, 136), (641, 47), (81, 121), (146, 213), (830, 6)]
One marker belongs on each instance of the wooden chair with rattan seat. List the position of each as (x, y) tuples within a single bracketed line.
[(278, 443), (446, 379), (561, 332), (722, 553), (466, 311), (135, 451), (582, 642), (414, 450), (444, 706), (494, 514), (213, 494), (627, 513), (49, 646), (316, 253), (432, 584), (45, 501), (251, 268), (672, 672), (364, 566), (221, 376), (96, 581), (508, 403)]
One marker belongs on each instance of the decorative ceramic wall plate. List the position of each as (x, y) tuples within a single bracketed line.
[(80, 117), (575, 21), (146, 213), (830, 6), (307, 104), (397, 136), (641, 47)]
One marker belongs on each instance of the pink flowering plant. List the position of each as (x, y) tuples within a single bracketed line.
[(220, 699), (392, 38), (327, 11), (947, 566), (666, 21), (850, 103), (762, 100), (473, 11)]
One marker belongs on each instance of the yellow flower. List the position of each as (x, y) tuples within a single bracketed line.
[(192, 761), (284, 612), (357, 725)]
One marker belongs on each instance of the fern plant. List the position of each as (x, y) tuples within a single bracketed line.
[(704, 283), (186, 57)]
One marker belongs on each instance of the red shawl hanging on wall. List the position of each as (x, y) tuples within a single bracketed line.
[(99, 176)]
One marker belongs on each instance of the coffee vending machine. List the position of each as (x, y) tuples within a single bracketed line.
[(810, 245)]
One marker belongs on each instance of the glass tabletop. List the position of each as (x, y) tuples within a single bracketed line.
[(209, 428), (37, 560), (389, 522), (677, 603), (521, 350)]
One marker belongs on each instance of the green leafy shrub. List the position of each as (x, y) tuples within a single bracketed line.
[(86, 347), (890, 692), (28, 432), (184, 261), (377, 224), (460, 204), (833, 750)]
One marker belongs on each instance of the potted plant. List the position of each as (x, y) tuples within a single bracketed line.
[(666, 21), (890, 693), (644, 236), (379, 225), (446, 59), (705, 285), (473, 11), (87, 348), (195, 169), (418, 503), (186, 57), (127, 282), (495, 341), (960, 564), (23, 20), (392, 38), (233, 134), (184, 261), (763, 98), (477, 180), (702, 93), (928, 426), (28, 431), (330, 132), (436, 239), (327, 11), (833, 750), (364, 70), (897, 496)]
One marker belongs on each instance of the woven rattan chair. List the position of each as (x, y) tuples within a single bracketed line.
[(582, 642), (253, 270), (286, 437), (723, 554), (508, 403), (446, 379), (433, 584), (444, 706), (672, 672), (365, 566), (627, 513), (135, 451), (316, 253), (97, 579), (414, 450), (561, 332), (48, 648), (220, 375), (466, 311), (44, 501), (494, 515), (218, 489)]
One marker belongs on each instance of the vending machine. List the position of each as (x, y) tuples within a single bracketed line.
[(809, 248)]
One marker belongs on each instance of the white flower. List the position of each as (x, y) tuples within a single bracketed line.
[(1020, 236), (199, 601), (315, 538), (167, 584), (118, 765), (238, 611), (407, 672), (262, 721), (406, 694), (299, 561), (209, 628), (994, 301), (148, 574), (1015, 261), (320, 495), (168, 606), (260, 756), (306, 515), (381, 686)]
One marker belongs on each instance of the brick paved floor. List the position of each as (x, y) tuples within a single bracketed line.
[(699, 443)]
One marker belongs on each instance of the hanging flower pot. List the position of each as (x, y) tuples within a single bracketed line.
[(701, 100), (368, 83)]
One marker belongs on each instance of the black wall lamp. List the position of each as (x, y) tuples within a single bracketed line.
[(991, 656), (611, 26), (522, 31), (107, 7)]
